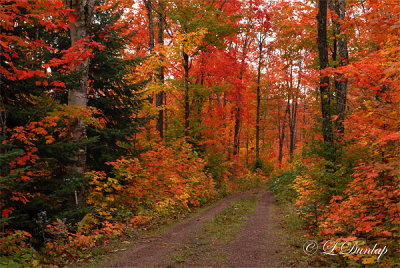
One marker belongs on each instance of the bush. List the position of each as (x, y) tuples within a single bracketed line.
[(282, 185), (164, 181), (15, 250)]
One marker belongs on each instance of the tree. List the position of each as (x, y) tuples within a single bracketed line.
[(160, 97), (324, 79), (32, 134), (112, 90), (262, 26), (78, 94), (340, 45)]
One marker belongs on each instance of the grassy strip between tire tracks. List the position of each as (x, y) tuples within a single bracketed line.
[(220, 230)]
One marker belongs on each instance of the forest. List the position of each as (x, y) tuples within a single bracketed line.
[(118, 116)]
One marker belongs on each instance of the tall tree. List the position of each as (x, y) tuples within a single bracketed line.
[(238, 98), (324, 79), (260, 40), (112, 90), (149, 7), (339, 7), (78, 95), (262, 25), (282, 130), (160, 95)]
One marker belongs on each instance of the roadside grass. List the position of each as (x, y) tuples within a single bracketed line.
[(220, 230)]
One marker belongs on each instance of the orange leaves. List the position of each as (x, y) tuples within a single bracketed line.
[(19, 197), (25, 178), (165, 180), (49, 139)]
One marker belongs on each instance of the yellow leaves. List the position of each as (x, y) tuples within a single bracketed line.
[(305, 187), (87, 222), (35, 263), (369, 259), (168, 56), (188, 42)]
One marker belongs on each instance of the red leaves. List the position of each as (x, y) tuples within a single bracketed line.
[(79, 52), (42, 12), (58, 84), (5, 213)]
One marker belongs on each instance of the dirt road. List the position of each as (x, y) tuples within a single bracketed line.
[(257, 244)]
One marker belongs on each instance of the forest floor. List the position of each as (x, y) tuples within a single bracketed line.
[(241, 230)]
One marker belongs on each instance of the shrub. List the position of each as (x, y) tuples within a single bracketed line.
[(282, 185), (164, 181)]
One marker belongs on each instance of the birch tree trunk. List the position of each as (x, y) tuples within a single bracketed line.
[(78, 95)]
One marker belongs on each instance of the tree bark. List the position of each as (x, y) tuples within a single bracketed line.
[(78, 95), (340, 83), (236, 138), (160, 95), (282, 133), (292, 126), (324, 80), (187, 103), (236, 141), (149, 8), (260, 47), (293, 117)]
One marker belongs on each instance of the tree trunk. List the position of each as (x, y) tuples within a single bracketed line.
[(282, 134), (293, 117), (149, 8), (160, 95), (236, 138), (260, 47), (165, 115), (78, 95), (292, 128), (236, 141), (324, 80), (340, 83), (247, 150), (187, 103)]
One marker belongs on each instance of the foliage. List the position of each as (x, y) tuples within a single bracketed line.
[(16, 251), (230, 78), (282, 185), (164, 181), (65, 246)]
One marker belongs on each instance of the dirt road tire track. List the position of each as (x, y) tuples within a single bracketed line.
[(151, 252)]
